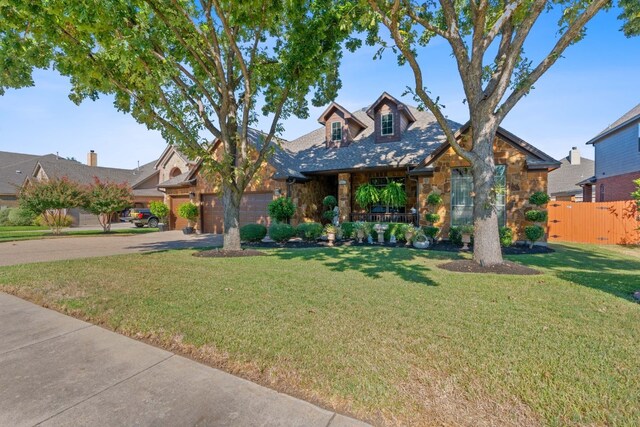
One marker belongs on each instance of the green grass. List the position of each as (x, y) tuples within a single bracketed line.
[(40, 233), (382, 333), (8, 228)]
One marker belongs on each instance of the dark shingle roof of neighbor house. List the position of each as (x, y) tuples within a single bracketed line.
[(565, 179), (309, 154), (627, 118), (83, 174), (15, 168)]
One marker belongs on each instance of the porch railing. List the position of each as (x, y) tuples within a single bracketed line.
[(408, 218)]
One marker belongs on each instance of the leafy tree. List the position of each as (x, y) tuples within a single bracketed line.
[(636, 193), (199, 71), (51, 199), (160, 210), (487, 39), (104, 199)]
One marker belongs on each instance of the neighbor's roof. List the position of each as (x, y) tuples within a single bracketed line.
[(309, 153), (566, 178), (15, 168), (83, 174), (629, 117)]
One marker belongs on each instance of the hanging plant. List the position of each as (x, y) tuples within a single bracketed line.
[(367, 195), (393, 195)]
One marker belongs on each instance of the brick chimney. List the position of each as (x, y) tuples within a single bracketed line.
[(574, 156), (92, 158)]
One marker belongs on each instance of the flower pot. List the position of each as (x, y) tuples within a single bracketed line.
[(360, 235), (421, 243), (466, 239), (162, 227), (407, 237), (187, 230), (331, 237)]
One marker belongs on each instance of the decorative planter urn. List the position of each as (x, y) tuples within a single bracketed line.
[(331, 237), (360, 235), (466, 239), (421, 242)]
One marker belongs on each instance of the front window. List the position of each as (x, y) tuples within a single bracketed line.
[(387, 124), (462, 201), (336, 131)]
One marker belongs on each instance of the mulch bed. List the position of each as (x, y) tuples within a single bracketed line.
[(217, 253), (469, 266), (440, 246)]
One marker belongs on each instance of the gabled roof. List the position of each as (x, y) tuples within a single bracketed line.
[(170, 149), (536, 159), (346, 113), (626, 119), (566, 178), (14, 169), (386, 97)]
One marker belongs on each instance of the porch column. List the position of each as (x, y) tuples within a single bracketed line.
[(344, 196)]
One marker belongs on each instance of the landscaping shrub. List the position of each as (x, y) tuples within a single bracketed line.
[(539, 198), (188, 211), (282, 209), (434, 199), (20, 216), (455, 236), (309, 231), (54, 221), (431, 231), (329, 202), (394, 227), (252, 232), (432, 217), (506, 237), (328, 215), (533, 233), (536, 215), (160, 210), (4, 216), (281, 232), (348, 230)]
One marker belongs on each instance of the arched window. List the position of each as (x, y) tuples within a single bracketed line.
[(175, 172)]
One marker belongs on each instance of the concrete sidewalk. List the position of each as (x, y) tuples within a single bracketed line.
[(59, 371)]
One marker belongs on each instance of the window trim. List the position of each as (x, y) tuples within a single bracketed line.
[(382, 116), (502, 216), (338, 128)]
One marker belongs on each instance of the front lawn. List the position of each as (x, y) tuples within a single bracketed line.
[(10, 234), (381, 332)]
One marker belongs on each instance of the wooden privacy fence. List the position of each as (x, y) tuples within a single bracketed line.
[(605, 223)]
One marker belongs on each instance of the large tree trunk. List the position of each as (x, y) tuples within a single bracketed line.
[(486, 243), (231, 206)]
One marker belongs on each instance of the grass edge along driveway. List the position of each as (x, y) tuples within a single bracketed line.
[(382, 334)]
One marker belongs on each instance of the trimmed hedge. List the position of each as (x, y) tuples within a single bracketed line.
[(432, 217), (533, 233), (539, 198), (4, 216), (455, 236), (348, 230), (281, 232), (506, 237), (536, 216), (431, 231), (252, 232), (309, 231)]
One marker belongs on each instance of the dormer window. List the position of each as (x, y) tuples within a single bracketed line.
[(336, 131), (386, 125)]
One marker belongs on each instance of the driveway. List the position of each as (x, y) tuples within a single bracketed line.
[(60, 371), (54, 249)]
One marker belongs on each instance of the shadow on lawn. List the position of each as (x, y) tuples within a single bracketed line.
[(606, 271), (372, 262)]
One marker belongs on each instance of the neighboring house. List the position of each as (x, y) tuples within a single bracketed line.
[(14, 169), (563, 182), (617, 163), (387, 140)]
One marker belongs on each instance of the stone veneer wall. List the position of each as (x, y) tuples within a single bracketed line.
[(521, 183), (308, 197)]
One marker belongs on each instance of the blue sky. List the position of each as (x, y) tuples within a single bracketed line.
[(595, 83)]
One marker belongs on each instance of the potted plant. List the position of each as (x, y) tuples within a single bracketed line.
[(331, 231), (393, 195), (329, 203), (160, 210), (281, 209), (367, 195), (466, 231), (188, 211), (420, 240), (361, 230)]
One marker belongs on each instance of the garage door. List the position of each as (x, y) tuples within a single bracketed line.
[(253, 209), (176, 222)]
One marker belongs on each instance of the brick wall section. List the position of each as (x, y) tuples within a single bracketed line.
[(617, 187), (521, 183)]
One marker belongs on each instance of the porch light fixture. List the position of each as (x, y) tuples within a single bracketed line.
[(342, 182), (192, 195), (277, 192)]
